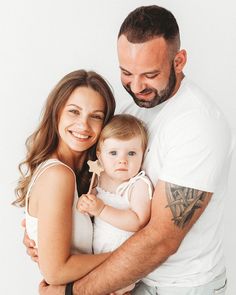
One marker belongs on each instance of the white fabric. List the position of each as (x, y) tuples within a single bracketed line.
[(106, 236), (190, 145), (82, 229), (217, 286)]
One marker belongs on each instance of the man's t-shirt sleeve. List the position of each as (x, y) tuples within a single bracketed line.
[(197, 146)]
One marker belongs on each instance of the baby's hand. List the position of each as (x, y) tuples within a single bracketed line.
[(80, 202), (90, 204)]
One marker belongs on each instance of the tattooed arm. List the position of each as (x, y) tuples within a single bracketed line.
[(174, 210), (183, 202)]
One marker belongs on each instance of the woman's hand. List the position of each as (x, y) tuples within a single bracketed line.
[(29, 244), (45, 289)]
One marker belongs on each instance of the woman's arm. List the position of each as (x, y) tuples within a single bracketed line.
[(54, 192)]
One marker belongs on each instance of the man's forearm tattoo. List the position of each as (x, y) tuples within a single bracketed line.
[(183, 202)]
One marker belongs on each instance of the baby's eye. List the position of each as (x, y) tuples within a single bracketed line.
[(131, 153), (113, 153)]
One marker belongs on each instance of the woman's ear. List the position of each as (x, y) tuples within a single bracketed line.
[(180, 61)]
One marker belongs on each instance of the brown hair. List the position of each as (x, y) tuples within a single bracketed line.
[(124, 127), (148, 22), (44, 141)]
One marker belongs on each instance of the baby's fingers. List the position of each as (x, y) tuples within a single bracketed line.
[(91, 197)]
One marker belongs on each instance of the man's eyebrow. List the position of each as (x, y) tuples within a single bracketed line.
[(145, 73), (124, 70), (151, 72)]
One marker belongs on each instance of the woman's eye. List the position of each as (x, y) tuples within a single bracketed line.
[(97, 117), (131, 153), (75, 112)]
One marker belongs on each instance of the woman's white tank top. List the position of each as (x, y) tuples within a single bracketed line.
[(82, 228)]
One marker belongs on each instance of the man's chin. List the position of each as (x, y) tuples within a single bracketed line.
[(144, 104), (150, 103)]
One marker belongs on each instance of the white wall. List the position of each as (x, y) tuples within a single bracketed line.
[(43, 40)]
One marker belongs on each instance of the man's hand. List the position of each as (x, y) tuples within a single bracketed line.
[(30, 245), (45, 289)]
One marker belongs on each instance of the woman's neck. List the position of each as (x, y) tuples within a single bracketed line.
[(74, 161)]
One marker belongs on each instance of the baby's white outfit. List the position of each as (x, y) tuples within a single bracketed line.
[(82, 229), (106, 236)]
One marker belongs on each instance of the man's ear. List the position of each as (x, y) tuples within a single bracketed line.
[(180, 61)]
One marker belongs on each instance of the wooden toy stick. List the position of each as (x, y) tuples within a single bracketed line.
[(96, 168)]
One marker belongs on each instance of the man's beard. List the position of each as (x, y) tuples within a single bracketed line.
[(159, 97)]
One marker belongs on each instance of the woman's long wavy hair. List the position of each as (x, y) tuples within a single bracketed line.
[(44, 141)]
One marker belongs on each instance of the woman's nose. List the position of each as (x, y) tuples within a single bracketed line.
[(82, 124)]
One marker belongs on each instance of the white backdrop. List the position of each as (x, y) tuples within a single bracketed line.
[(43, 40)]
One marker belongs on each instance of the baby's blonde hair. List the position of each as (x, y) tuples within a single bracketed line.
[(124, 127)]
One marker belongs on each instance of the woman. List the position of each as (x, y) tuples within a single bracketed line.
[(57, 152)]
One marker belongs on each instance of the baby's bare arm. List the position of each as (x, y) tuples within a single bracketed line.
[(135, 217)]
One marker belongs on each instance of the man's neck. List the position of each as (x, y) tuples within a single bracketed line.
[(179, 79)]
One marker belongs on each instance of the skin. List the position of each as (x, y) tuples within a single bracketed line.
[(121, 160), (80, 123), (52, 195), (161, 237), (146, 70)]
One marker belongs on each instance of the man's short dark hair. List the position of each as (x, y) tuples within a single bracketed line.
[(148, 22)]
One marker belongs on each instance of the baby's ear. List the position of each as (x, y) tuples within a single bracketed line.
[(98, 153)]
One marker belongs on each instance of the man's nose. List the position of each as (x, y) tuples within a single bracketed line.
[(136, 85)]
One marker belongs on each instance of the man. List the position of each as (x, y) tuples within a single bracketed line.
[(180, 250)]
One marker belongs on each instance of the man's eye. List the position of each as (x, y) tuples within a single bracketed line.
[(131, 153), (126, 73), (151, 76)]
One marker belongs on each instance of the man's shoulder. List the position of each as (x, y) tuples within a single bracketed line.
[(126, 107)]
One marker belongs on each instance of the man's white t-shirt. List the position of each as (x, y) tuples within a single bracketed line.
[(190, 145)]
